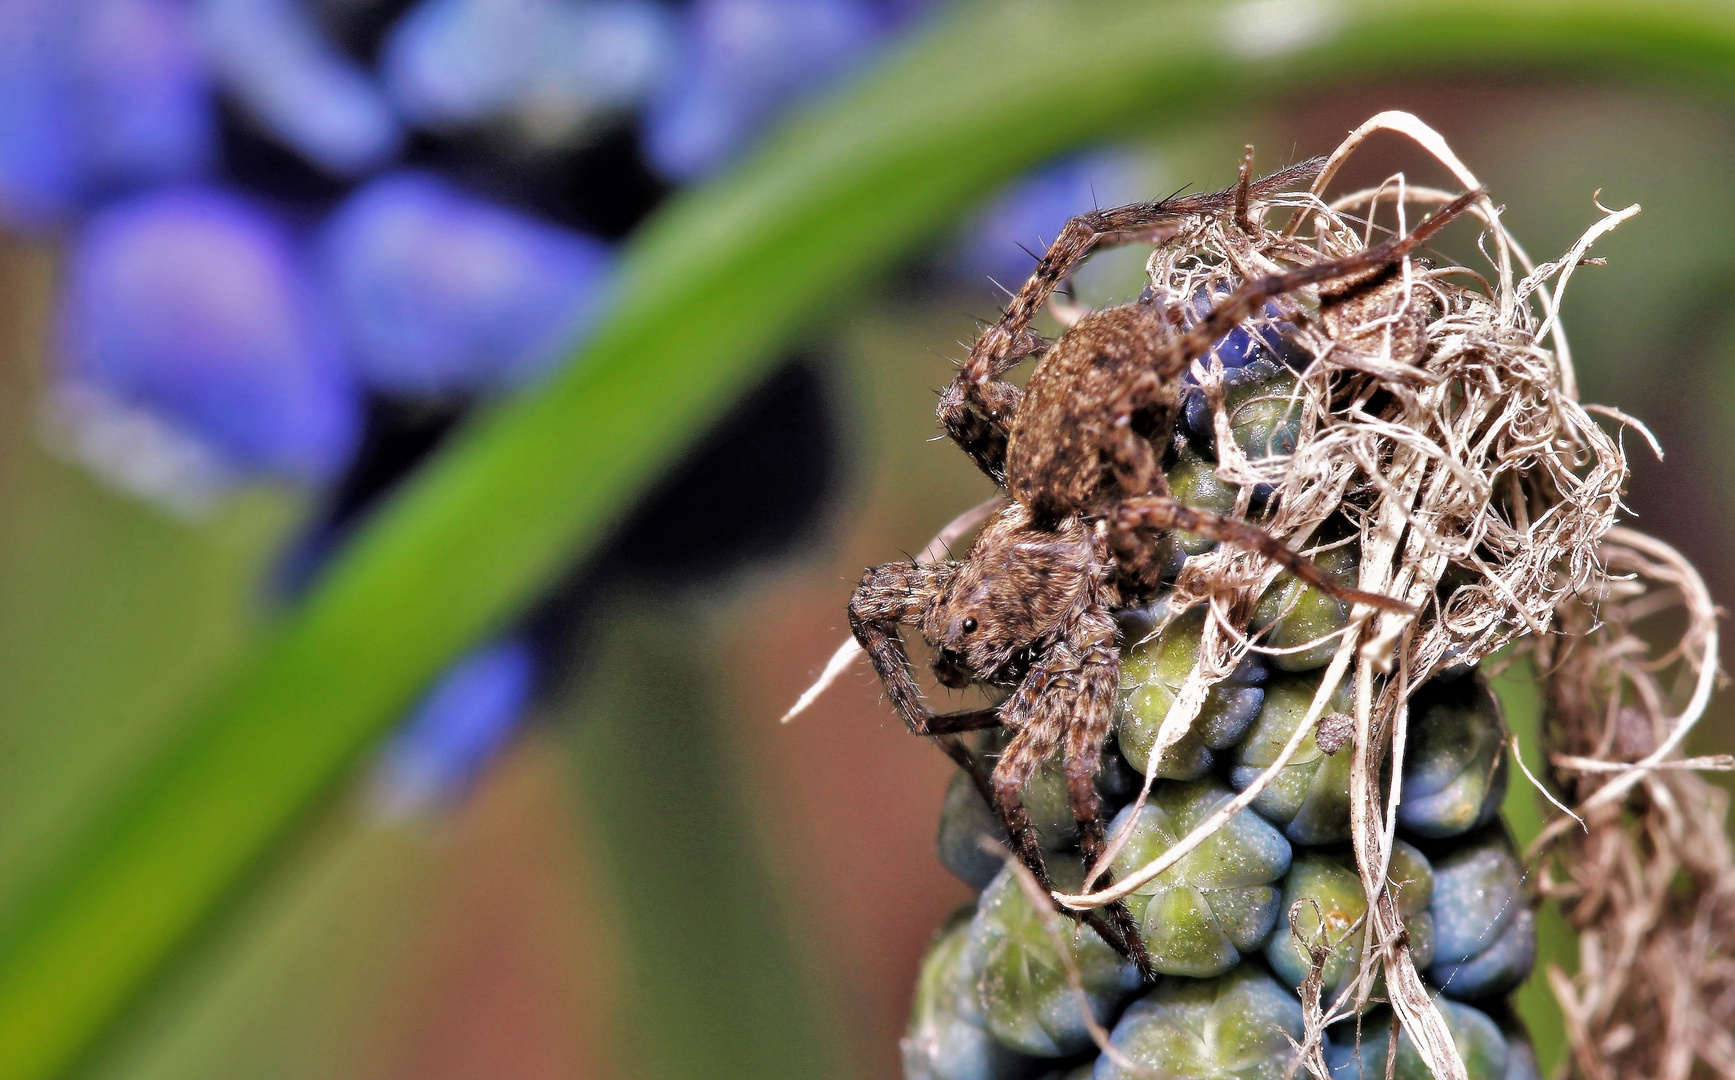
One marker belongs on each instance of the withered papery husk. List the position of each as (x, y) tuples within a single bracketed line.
[(1439, 429)]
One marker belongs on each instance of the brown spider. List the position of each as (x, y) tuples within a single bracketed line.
[(1031, 605)]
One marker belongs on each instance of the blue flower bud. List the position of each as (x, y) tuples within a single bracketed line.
[(191, 305), (1221, 900), (1237, 1026), (1324, 893), (1454, 759), (97, 96), (1484, 928), (1521, 1063), (1027, 1002), (740, 63), (458, 727), (1153, 670), (946, 1038), (294, 83), (1261, 342), (442, 293), (1309, 797), (1480, 1044), (552, 70)]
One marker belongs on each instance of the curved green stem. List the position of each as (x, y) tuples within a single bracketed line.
[(713, 285)]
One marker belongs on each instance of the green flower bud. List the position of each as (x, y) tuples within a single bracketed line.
[(1309, 797), (1325, 893), (1484, 929), (946, 1039), (1049, 805), (1221, 900), (1454, 758), (1027, 1002), (1478, 1039), (1152, 671), (1291, 613), (1264, 416), (1193, 481), (1235, 1027)]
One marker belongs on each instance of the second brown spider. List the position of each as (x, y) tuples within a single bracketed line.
[(1031, 605)]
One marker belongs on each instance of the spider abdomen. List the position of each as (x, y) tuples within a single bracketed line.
[(1076, 409)]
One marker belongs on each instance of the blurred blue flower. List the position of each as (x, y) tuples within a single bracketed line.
[(457, 728), (190, 305), (740, 63), (439, 292), (1003, 239), (97, 96), (293, 82), (551, 68)]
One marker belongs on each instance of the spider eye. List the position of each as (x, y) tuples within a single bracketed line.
[(969, 625)]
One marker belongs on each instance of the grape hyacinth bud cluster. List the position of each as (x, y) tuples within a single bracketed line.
[(1241, 921), (301, 237)]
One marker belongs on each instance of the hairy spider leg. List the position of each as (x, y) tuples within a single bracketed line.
[(1243, 187), (1233, 309), (978, 405), (1065, 705), (1138, 472), (1161, 513), (892, 595)]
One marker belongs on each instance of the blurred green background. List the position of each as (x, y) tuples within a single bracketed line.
[(657, 880)]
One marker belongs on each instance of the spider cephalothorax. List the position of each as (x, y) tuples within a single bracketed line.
[(1029, 606), (1019, 587), (1080, 453)]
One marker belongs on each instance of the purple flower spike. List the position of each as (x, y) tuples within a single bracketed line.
[(457, 728), (189, 306), (551, 69), (442, 293), (300, 88), (1005, 238), (96, 96), (742, 62)]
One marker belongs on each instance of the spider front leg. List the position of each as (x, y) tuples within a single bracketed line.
[(1091, 723), (893, 595), (1066, 704)]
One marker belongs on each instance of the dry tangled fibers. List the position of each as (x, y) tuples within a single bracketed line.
[(1647, 880), (1439, 416), (1439, 419)]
